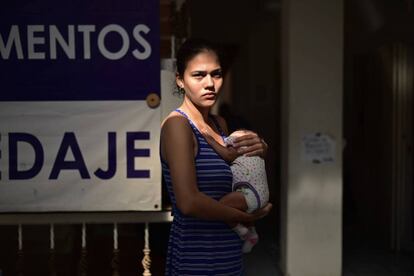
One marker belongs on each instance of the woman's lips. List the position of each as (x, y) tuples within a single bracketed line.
[(210, 95)]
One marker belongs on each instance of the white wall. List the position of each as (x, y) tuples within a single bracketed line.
[(312, 49), (169, 100)]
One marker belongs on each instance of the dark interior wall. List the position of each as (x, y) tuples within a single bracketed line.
[(372, 30), (367, 175), (250, 30)]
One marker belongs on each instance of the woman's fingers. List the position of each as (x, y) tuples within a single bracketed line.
[(256, 149), (252, 147), (246, 140), (264, 211), (250, 144)]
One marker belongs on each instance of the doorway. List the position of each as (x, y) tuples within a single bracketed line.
[(378, 129)]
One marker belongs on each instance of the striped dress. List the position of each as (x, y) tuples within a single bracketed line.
[(196, 246)]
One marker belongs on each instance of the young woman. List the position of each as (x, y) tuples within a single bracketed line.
[(201, 240)]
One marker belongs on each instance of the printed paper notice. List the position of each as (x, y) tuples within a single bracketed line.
[(318, 148)]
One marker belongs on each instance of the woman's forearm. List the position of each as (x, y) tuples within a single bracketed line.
[(228, 154), (204, 207)]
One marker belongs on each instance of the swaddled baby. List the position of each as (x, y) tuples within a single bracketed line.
[(249, 178)]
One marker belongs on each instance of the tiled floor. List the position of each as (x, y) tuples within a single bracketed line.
[(263, 262), (264, 259), (365, 262)]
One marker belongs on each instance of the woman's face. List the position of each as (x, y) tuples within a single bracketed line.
[(202, 79)]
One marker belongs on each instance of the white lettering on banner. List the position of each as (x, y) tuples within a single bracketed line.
[(14, 39), (32, 40), (68, 47), (147, 47), (101, 41), (67, 42), (86, 30)]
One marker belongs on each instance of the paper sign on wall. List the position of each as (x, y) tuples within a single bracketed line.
[(318, 148)]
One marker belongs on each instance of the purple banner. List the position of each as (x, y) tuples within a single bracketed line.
[(77, 51)]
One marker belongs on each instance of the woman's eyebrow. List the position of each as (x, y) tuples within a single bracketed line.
[(199, 72), (205, 72)]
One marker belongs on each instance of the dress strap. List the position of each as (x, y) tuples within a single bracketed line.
[(182, 113), (215, 122), (188, 118)]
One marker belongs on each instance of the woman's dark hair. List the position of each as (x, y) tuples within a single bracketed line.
[(192, 47)]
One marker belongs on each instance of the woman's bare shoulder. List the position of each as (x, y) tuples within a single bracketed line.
[(176, 136), (175, 122), (173, 118)]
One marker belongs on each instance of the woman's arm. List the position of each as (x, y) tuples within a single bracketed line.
[(227, 153), (177, 146)]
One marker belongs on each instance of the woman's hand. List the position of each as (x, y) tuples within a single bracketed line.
[(250, 144), (252, 217), (262, 212)]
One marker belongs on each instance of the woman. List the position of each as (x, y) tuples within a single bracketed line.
[(201, 241)]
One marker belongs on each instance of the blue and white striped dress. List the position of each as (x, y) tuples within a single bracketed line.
[(196, 246)]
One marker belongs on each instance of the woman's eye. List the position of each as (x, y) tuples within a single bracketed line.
[(217, 75), (199, 75)]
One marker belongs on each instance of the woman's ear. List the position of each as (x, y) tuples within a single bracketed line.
[(179, 81)]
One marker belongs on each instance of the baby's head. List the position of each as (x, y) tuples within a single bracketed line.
[(238, 133), (230, 139)]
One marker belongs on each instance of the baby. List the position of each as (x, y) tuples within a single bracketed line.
[(249, 178)]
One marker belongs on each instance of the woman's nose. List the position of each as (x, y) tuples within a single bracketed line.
[(209, 81)]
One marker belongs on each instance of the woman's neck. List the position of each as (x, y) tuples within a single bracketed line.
[(196, 113), (200, 117)]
